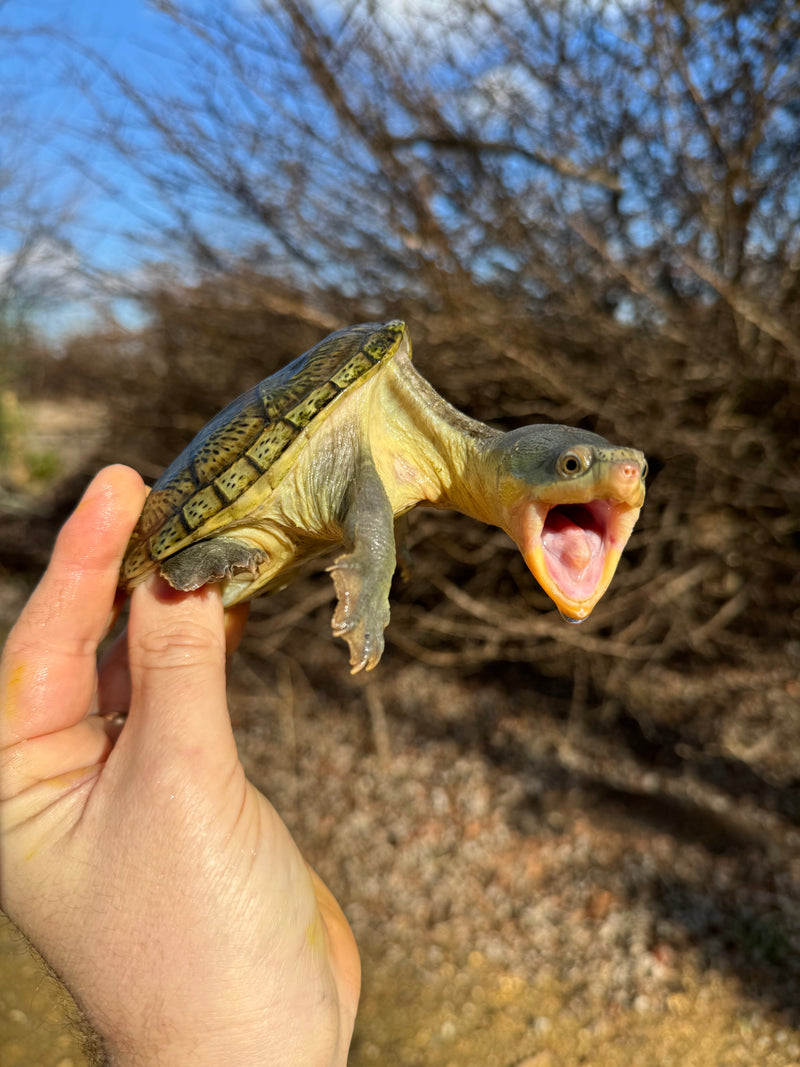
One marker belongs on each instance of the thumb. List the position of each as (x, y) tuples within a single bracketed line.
[(176, 655)]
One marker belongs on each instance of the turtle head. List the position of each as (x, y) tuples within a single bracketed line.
[(570, 500)]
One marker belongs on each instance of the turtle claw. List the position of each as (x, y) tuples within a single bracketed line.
[(365, 649), (360, 616)]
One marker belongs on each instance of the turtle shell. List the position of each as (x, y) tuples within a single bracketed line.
[(248, 437)]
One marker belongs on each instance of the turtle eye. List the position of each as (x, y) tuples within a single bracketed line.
[(573, 462), (645, 469)]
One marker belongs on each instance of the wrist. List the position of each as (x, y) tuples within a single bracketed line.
[(284, 1045)]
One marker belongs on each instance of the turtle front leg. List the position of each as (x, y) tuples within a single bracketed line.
[(363, 575)]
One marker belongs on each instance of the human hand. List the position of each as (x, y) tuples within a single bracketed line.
[(160, 885)]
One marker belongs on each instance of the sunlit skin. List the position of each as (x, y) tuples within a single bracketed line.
[(160, 885)]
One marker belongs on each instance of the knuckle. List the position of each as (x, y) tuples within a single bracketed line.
[(181, 644)]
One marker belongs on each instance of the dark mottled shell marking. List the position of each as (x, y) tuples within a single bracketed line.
[(272, 443), (214, 453), (246, 439)]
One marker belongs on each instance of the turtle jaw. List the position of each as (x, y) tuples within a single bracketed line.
[(572, 549)]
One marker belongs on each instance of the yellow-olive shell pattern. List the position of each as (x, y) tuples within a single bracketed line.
[(248, 437)]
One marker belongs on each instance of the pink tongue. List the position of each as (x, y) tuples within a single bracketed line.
[(573, 547)]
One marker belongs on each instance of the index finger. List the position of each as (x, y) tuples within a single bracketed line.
[(48, 668)]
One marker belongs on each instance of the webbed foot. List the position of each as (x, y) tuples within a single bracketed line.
[(361, 615), (210, 561)]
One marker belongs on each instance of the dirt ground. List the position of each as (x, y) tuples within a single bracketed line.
[(521, 901)]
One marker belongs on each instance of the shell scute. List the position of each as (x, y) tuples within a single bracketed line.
[(202, 506), (272, 443), (302, 414), (165, 501), (218, 449), (164, 541), (353, 370), (137, 557), (239, 476)]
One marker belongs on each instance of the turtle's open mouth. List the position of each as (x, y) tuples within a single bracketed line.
[(573, 549), (574, 538)]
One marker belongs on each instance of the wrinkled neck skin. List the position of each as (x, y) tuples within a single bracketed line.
[(427, 451), (570, 523)]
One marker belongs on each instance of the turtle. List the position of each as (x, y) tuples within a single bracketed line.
[(332, 449)]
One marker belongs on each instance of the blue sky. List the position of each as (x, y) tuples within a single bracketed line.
[(112, 209), (46, 101), (44, 77), (46, 119)]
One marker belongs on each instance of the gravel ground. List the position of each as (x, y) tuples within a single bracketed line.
[(536, 896), (524, 892)]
